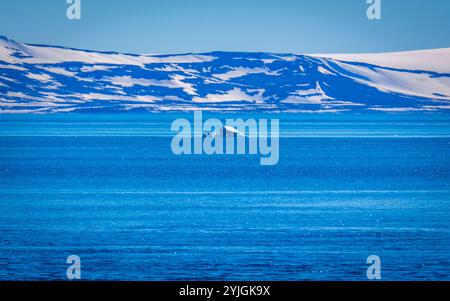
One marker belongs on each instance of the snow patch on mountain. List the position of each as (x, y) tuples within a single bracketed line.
[(13, 52), (241, 71), (234, 95), (415, 84), (436, 60)]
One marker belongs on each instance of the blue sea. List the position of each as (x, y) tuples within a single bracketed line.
[(108, 188)]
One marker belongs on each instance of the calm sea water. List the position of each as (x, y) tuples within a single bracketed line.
[(108, 189)]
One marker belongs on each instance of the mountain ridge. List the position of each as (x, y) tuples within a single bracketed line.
[(51, 79)]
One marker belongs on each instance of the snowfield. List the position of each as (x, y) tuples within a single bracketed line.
[(436, 60)]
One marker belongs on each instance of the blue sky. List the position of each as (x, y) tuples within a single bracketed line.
[(174, 26)]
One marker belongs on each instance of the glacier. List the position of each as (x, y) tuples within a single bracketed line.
[(51, 79)]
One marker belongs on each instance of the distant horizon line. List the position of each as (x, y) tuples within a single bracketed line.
[(5, 37)]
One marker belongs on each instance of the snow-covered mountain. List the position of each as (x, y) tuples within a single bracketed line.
[(49, 79)]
